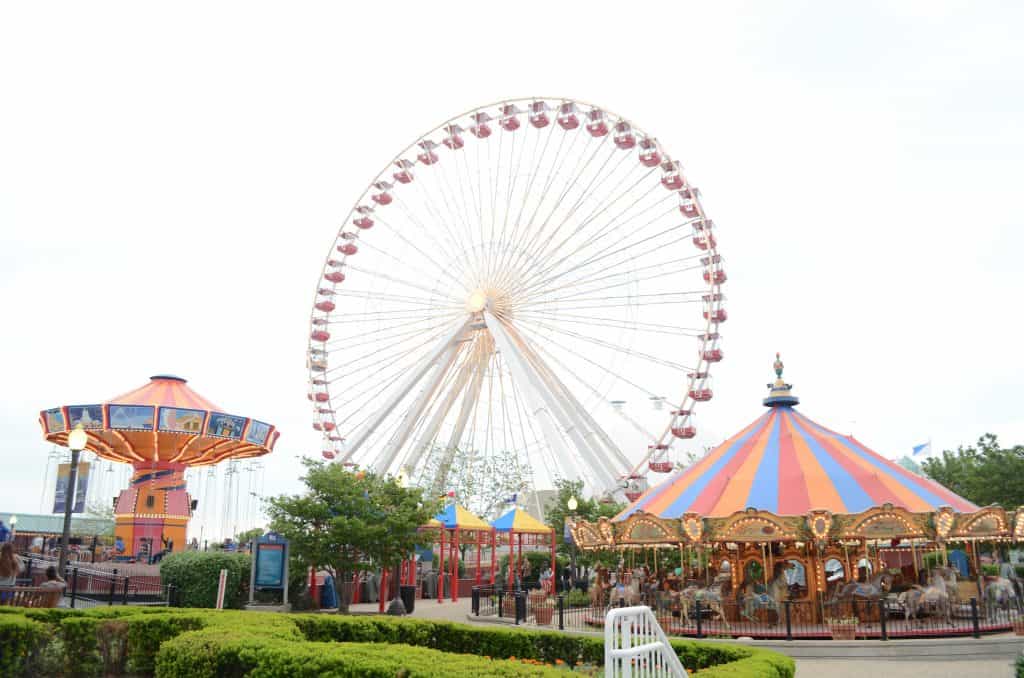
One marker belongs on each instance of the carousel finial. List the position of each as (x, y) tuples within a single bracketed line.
[(778, 365), (779, 393)]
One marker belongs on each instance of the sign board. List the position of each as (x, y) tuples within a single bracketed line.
[(62, 489), (269, 565)]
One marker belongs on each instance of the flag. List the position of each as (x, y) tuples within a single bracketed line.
[(924, 448), (61, 491)]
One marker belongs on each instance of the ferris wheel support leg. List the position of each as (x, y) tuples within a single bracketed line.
[(614, 456), (468, 406), (406, 386), (412, 416), (428, 434), (535, 384)]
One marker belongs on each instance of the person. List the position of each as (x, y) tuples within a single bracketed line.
[(5, 534), (55, 583), (546, 580), (119, 546), (10, 567)]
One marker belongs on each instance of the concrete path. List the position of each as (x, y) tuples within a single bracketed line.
[(894, 668)]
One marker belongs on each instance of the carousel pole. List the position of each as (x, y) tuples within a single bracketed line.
[(764, 565), (455, 566), (913, 556)]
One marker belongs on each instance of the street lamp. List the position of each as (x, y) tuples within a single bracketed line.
[(77, 440), (14, 527)]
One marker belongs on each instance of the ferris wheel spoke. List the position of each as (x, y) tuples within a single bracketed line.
[(613, 323), (349, 367), (396, 279), (420, 248), (694, 296), (586, 194), (349, 343), (399, 299), (614, 347)]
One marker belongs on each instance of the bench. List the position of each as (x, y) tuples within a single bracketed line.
[(30, 596)]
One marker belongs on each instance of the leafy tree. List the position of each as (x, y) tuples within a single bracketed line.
[(244, 538), (482, 483), (348, 521), (984, 473), (589, 509)]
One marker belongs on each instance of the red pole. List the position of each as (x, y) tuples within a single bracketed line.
[(440, 571), (479, 547), (554, 576), (355, 588), (383, 593), (455, 566), (494, 554)]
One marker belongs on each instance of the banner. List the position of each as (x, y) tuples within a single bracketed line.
[(61, 492)]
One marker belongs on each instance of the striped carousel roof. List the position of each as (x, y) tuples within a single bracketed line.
[(788, 464), (165, 390), (456, 517)]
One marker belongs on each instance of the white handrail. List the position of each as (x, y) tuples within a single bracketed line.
[(635, 644)]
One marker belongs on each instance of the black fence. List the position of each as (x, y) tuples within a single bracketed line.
[(761, 617), (86, 587)]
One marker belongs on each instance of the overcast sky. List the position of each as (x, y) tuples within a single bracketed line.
[(171, 179)]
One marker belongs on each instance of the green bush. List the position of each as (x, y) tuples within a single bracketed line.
[(1020, 666), (199, 643), (577, 598), (195, 574), (20, 639)]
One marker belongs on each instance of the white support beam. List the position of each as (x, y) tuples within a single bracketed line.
[(403, 389), (480, 360), (549, 404), (412, 416)]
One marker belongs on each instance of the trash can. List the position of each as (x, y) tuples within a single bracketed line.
[(408, 594), (327, 598)]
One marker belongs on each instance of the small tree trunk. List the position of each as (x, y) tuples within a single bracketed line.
[(343, 592)]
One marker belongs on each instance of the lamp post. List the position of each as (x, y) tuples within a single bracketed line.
[(77, 440)]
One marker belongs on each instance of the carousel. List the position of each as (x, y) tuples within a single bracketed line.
[(788, 516)]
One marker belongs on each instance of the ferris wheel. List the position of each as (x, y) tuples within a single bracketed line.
[(534, 282)]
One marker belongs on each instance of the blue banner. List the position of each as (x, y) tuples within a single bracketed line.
[(63, 481)]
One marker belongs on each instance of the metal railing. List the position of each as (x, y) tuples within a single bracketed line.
[(87, 587), (890, 617), (635, 642)]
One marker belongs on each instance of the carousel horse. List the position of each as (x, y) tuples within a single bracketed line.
[(935, 597), (872, 589), (1000, 594), (776, 592), (710, 598), (635, 587), (600, 587)]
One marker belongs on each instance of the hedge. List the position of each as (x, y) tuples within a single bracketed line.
[(199, 643), (195, 576)]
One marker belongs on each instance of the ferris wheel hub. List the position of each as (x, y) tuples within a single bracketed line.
[(477, 301)]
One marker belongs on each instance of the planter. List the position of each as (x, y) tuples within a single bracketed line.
[(843, 631), (1018, 627), (508, 607), (543, 615)]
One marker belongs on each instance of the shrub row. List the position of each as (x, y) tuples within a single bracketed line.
[(195, 576), (201, 643)]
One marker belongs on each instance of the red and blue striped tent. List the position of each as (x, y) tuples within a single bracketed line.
[(787, 464)]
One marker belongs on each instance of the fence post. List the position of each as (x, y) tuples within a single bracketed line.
[(113, 587), (974, 617), (697, 606), (622, 602), (28, 574), (882, 614), (501, 600), (124, 601), (561, 612), (520, 597), (474, 603), (74, 585), (789, 623)]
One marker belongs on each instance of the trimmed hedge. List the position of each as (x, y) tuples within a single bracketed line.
[(195, 575), (20, 639), (207, 643)]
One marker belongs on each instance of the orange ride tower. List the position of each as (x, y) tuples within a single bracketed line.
[(161, 428)]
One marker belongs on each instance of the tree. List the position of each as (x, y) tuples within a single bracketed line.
[(482, 483), (983, 473), (100, 510), (243, 538), (911, 465), (348, 521), (588, 509)]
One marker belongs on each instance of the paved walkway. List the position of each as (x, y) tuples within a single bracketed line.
[(854, 667), (895, 668)]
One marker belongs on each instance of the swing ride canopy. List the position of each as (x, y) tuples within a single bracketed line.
[(162, 421), (519, 521), (786, 478)]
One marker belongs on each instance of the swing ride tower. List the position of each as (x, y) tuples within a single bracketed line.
[(161, 428)]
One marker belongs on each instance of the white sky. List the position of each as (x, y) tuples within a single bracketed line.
[(171, 179)]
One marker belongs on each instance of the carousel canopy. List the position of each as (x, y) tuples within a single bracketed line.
[(455, 517), (787, 464), (162, 421), (518, 520)]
